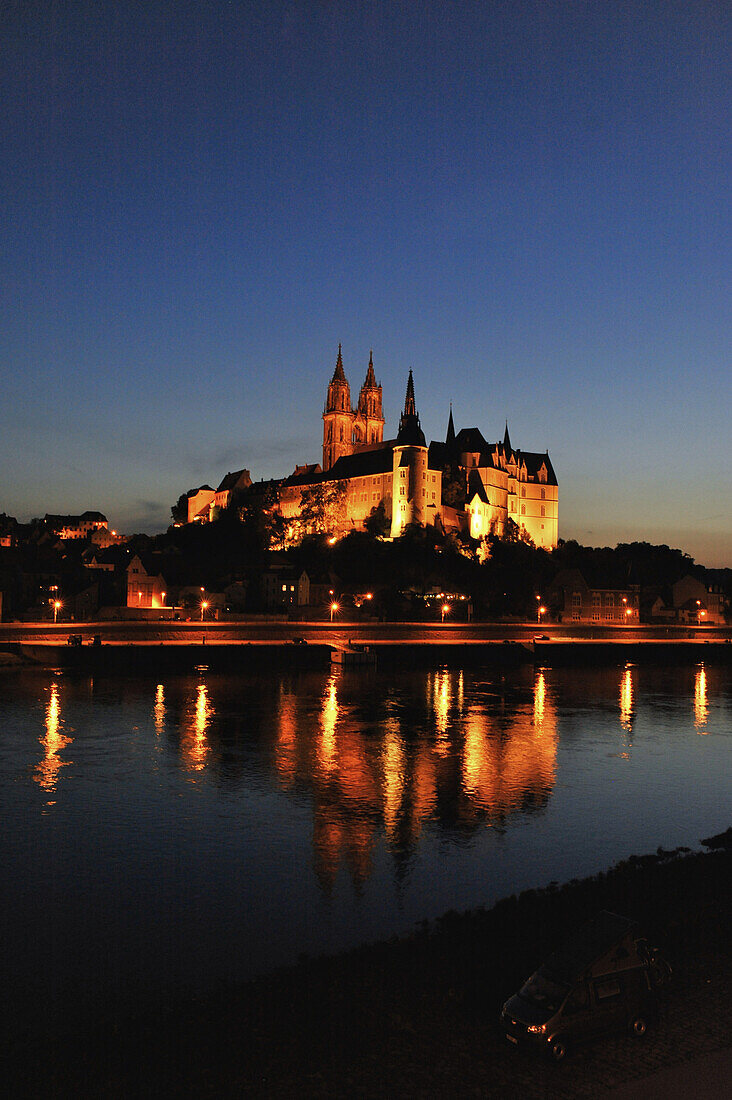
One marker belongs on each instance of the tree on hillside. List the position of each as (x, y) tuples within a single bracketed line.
[(179, 510), (322, 508), (377, 522), (513, 533)]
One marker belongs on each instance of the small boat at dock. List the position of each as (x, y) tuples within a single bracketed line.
[(352, 655)]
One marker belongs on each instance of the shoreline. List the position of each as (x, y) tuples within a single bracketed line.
[(418, 1015), (157, 650)]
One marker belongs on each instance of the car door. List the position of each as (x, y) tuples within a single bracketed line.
[(576, 1022), (609, 1007)]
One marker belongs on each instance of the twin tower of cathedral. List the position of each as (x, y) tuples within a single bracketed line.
[(343, 426), (491, 484)]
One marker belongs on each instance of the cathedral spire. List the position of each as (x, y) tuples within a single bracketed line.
[(338, 375), (409, 406), (410, 431), (450, 438), (507, 441), (370, 376)]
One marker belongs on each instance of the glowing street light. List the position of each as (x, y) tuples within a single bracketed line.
[(56, 608), (204, 605), (445, 610), (162, 597), (538, 609), (541, 612), (333, 609)]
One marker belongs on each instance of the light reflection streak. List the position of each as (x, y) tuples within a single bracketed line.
[(393, 766), (701, 708), (194, 744), (539, 699), (159, 709), (53, 742), (441, 704), (328, 719), (627, 713), (480, 772), (286, 747)]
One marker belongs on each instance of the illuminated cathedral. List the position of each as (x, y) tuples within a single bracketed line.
[(489, 483), (461, 483)]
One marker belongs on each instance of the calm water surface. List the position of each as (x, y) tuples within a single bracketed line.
[(202, 828)]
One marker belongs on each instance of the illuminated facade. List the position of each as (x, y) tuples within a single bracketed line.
[(76, 527), (145, 588), (489, 483), (492, 483)]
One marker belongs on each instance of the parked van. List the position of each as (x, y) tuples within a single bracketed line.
[(602, 981)]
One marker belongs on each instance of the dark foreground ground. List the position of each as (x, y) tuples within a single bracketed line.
[(410, 1018)]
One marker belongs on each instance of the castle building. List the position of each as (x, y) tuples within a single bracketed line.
[(462, 483), (492, 483)]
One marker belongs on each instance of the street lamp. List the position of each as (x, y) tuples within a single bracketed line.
[(56, 606), (333, 609), (538, 609), (445, 610), (204, 605), (698, 613), (540, 613)]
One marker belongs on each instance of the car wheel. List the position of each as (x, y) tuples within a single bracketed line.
[(638, 1026), (558, 1050)]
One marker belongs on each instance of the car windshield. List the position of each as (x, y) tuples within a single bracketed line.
[(543, 992)]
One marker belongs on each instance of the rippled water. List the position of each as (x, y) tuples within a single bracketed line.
[(201, 828)]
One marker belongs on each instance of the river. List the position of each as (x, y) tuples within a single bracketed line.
[(188, 831)]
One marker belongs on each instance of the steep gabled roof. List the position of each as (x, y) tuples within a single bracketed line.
[(476, 488), (361, 464), (534, 461), (231, 481), (470, 440)]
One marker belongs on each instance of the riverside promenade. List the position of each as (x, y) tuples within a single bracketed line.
[(235, 645)]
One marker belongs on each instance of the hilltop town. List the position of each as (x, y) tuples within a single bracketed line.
[(394, 528)]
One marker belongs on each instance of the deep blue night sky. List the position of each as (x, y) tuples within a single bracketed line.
[(527, 203)]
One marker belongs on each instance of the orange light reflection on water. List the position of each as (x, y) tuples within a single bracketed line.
[(701, 708), (194, 742), (159, 709), (392, 755), (441, 705), (506, 769), (326, 750), (53, 742), (627, 713), (286, 744)]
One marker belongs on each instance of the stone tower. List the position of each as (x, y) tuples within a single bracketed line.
[(337, 417), (368, 424), (409, 469)]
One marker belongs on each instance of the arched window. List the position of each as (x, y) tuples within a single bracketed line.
[(523, 509)]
